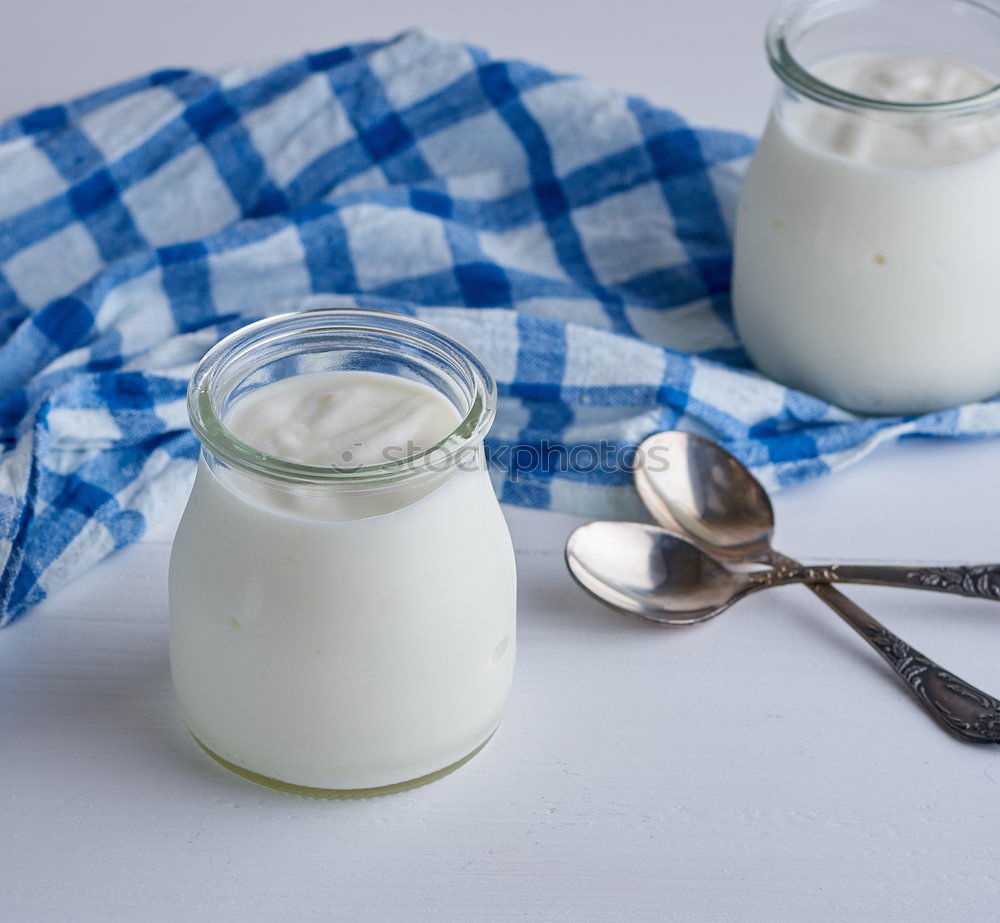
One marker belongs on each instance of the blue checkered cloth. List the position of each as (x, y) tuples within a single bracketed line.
[(577, 238)]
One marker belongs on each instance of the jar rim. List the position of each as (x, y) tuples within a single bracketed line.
[(217, 438), (797, 76)]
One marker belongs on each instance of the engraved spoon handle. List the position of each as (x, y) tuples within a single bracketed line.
[(964, 710), (981, 581)]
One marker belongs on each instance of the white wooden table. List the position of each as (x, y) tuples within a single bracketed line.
[(764, 766)]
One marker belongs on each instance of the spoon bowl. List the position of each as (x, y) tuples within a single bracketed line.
[(695, 487), (647, 571)]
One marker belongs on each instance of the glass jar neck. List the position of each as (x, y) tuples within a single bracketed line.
[(336, 339), (806, 32)]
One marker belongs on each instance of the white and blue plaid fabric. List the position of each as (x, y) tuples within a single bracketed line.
[(577, 238)]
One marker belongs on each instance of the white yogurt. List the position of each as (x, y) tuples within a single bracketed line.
[(342, 643), (343, 418), (867, 262)]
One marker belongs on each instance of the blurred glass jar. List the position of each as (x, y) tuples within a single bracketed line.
[(867, 256)]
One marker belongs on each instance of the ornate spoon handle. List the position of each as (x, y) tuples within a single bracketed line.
[(962, 709), (980, 580)]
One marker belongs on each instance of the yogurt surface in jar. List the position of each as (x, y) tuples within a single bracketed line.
[(867, 264), (898, 77), (350, 639), (343, 418)]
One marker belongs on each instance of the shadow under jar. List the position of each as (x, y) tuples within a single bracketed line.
[(867, 252), (342, 629)]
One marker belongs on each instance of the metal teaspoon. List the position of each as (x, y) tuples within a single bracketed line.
[(692, 486), (653, 573)]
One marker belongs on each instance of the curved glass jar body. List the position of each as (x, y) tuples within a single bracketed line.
[(341, 630), (867, 261)]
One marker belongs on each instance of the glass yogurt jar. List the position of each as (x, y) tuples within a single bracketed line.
[(342, 585), (867, 257)]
